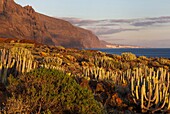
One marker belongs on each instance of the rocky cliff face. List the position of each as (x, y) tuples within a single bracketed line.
[(1, 6), (24, 23)]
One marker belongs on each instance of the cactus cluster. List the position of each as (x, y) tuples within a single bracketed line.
[(15, 60), (53, 60), (104, 61), (6, 63), (99, 73), (24, 59), (150, 89), (52, 63)]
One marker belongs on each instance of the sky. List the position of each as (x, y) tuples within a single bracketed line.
[(131, 22)]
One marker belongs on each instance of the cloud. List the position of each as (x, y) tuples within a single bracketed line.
[(108, 24), (80, 22), (160, 18), (151, 21), (121, 20), (147, 23), (86, 22), (113, 26), (83, 22), (104, 27), (108, 31)]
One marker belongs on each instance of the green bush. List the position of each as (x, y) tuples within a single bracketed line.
[(52, 91), (127, 56)]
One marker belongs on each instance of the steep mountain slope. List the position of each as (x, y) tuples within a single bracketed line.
[(24, 23)]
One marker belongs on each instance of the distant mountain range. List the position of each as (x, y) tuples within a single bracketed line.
[(24, 23)]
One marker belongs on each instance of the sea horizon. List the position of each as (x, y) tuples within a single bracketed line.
[(148, 52)]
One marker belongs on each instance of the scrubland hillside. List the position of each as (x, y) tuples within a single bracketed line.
[(36, 78)]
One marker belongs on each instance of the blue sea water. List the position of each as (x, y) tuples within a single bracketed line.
[(148, 52)]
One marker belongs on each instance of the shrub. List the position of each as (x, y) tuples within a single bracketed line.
[(143, 58), (44, 90), (127, 56), (163, 61)]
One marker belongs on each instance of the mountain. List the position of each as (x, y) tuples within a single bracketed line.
[(25, 23)]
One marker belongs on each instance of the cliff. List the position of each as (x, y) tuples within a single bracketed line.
[(25, 23)]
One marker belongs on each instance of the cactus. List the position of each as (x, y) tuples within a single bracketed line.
[(99, 73), (105, 62), (15, 60), (52, 63), (151, 90), (24, 58), (6, 63), (49, 66), (53, 60)]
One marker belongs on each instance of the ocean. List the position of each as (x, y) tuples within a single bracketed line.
[(148, 52)]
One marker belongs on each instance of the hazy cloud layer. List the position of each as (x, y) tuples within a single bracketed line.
[(112, 26), (108, 31), (151, 21), (145, 28)]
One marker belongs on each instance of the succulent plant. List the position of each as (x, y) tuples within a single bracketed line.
[(151, 90)]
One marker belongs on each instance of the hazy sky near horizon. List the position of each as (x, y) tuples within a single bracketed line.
[(132, 22)]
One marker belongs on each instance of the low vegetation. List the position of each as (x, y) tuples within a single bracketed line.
[(44, 90), (48, 79)]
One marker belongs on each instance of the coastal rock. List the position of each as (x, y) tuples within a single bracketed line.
[(25, 23)]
